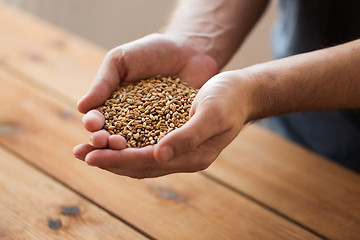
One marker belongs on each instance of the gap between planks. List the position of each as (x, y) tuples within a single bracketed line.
[(262, 204)]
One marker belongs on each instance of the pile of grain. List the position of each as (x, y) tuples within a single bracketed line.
[(145, 111)]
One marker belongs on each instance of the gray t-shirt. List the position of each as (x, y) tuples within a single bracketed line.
[(304, 26)]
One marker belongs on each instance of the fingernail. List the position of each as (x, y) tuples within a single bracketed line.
[(165, 154)]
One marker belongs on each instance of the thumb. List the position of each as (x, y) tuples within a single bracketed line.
[(105, 82), (182, 140)]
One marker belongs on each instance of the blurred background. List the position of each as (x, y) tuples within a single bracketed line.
[(110, 23)]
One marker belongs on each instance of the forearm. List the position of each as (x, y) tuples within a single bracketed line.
[(215, 27), (319, 80)]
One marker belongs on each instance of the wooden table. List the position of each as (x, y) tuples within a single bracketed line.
[(260, 187)]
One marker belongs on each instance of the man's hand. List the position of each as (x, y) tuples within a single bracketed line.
[(141, 59), (149, 56), (217, 115)]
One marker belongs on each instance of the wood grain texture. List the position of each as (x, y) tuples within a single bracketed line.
[(309, 189), (35, 206), (182, 206), (300, 185)]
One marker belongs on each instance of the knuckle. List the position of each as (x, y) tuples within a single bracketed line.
[(113, 53), (199, 161), (116, 56), (189, 141), (202, 165), (203, 159)]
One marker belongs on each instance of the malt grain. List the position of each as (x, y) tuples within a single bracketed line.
[(147, 110)]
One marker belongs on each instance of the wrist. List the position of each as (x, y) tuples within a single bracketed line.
[(238, 88), (258, 88)]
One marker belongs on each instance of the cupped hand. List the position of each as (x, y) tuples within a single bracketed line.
[(217, 115), (144, 58), (152, 55)]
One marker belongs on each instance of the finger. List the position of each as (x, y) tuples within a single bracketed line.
[(126, 163), (196, 160), (116, 142), (99, 139), (199, 128), (129, 158), (80, 151), (93, 120), (200, 157), (106, 81)]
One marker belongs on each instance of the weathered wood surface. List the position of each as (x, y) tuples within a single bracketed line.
[(293, 181), (50, 65), (35, 206), (42, 131)]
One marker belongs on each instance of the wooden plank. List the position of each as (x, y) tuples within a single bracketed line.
[(32, 205), (59, 61), (180, 206), (311, 190)]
